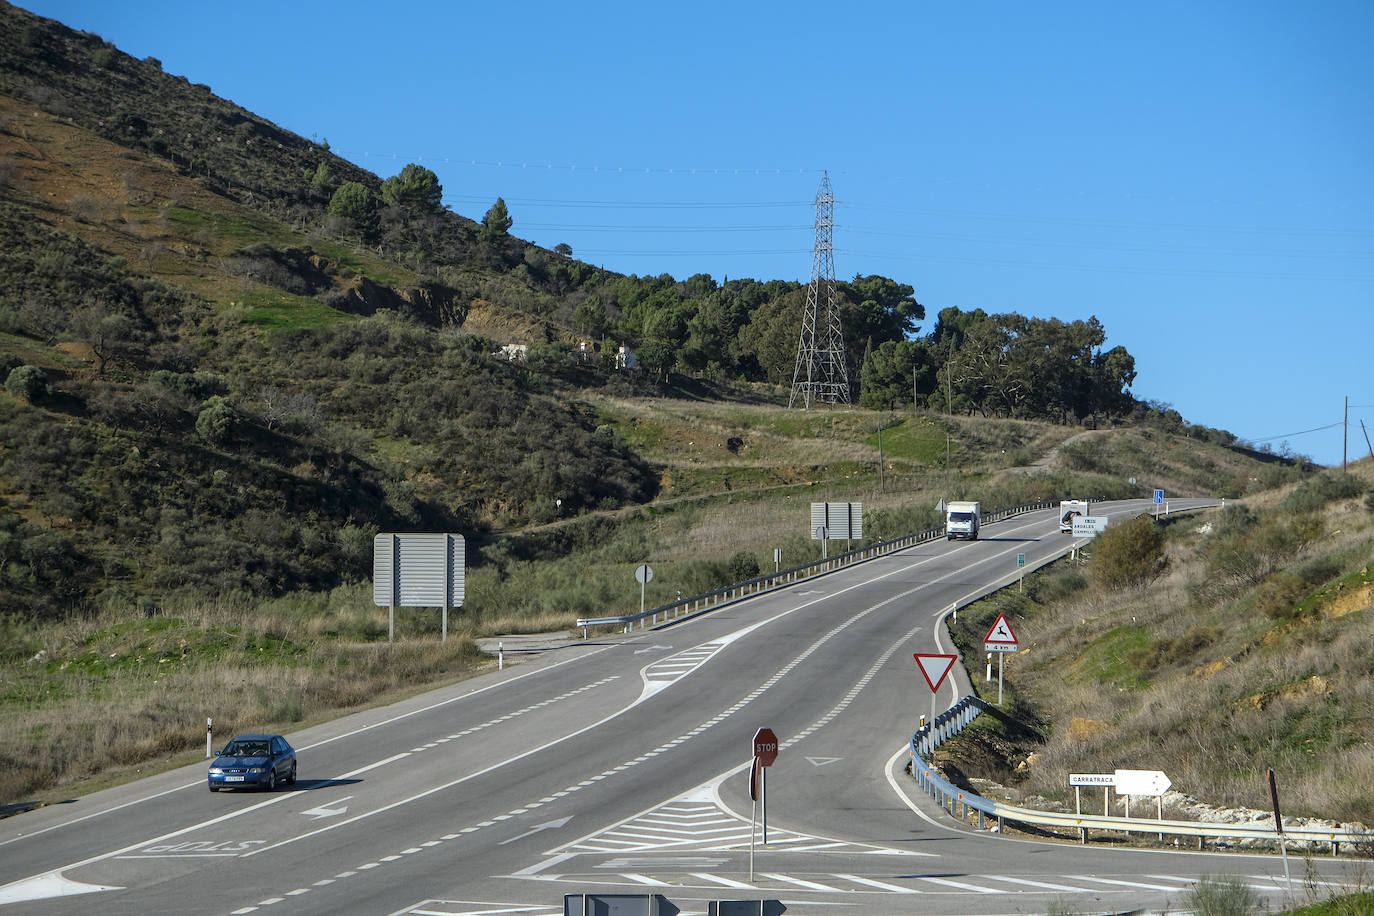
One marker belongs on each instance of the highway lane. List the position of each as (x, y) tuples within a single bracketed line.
[(525, 784)]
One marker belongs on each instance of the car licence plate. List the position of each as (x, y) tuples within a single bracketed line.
[(233, 779)]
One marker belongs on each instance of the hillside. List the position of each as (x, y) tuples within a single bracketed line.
[(231, 358), (1249, 645)]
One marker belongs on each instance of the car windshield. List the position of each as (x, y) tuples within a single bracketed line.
[(246, 749), (961, 516)]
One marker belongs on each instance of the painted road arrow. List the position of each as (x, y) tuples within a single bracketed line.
[(322, 811), (551, 825)]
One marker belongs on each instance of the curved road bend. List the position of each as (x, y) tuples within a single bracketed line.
[(621, 766)]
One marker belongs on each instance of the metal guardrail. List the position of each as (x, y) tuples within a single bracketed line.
[(783, 578), (960, 803)]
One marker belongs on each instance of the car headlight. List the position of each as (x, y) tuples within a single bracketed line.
[(257, 769), (216, 771)]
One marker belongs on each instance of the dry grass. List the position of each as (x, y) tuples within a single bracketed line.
[(1234, 694), (110, 695)]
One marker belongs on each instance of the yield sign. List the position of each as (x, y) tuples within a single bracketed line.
[(1001, 633), (934, 668)]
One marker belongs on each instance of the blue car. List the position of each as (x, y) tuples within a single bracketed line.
[(263, 761)]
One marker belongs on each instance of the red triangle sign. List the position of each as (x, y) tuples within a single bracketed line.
[(1001, 633), (934, 668)]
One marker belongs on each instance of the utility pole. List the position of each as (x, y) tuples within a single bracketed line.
[(821, 373), (1345, 433)]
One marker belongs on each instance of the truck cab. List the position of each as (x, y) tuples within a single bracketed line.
[(962, 520)]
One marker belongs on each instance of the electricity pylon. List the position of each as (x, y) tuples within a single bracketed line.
[(821, 373)]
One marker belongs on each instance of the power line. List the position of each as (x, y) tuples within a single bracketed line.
[(1303, 433)]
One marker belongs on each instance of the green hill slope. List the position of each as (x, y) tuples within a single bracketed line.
[(220, 385)]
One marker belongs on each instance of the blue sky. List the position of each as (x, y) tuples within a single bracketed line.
[(1198, 175)]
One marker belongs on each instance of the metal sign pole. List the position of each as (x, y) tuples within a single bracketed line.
[(763, 800), (1001, 660)]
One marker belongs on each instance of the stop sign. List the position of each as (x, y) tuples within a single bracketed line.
[(766, 747)]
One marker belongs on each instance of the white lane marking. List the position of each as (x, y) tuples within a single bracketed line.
[(880, 885), (487, 909)]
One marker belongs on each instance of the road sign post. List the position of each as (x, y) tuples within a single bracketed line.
[(1000, 639), (644, 574), (933, 669), (765, 753), (1105, 780)]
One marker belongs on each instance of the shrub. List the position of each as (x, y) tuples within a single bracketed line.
[(9, 362), (30, 383), (217, 421), (1224, 895), (1278, 594), (1315, 493), (1129, 555), (743, 566)]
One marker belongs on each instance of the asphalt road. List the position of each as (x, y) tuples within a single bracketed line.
[(621, 766)]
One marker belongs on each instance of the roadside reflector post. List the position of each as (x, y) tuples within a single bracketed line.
[(501, 655), (209, 737)]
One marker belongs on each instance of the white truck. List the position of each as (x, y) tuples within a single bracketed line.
[(1069, 509), (962, 520)]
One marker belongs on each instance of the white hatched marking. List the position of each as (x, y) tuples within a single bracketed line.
[(962, 886), (1153, 887), (809, 885), (644, 879), (880, 885), (1044, 884), (724, 882)]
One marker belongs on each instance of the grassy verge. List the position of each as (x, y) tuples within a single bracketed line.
[(1237, 658)]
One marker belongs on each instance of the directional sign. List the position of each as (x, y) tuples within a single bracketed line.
[(1141, 782), (1089, 526), (935, 667), (766, 746), (1159, 496), (1092, 779)]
